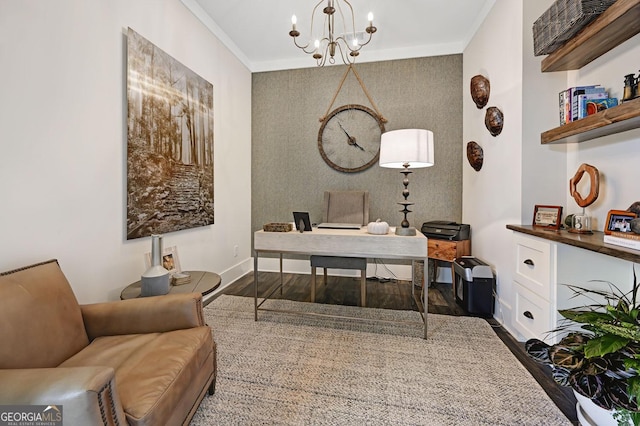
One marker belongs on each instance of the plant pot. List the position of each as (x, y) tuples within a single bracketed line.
[(589, 414)]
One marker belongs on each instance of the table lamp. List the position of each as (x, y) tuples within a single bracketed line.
[(404, 149)]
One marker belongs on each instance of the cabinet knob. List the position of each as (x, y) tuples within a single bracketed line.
[(529, 262), (528, 314)]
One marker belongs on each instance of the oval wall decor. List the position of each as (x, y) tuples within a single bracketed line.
[(475, 155), (480, 90), (594, 185), (494, 120)]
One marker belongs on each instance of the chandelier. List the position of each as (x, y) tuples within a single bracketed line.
[(346, 44)]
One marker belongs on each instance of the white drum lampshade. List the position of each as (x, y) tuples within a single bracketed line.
[(404, 149)]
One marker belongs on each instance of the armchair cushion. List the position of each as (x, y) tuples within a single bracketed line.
[(146, 365)]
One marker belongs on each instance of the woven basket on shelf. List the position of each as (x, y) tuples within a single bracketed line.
[(563, 20)]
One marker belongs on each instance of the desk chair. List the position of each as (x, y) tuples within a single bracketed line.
[(343, 207)]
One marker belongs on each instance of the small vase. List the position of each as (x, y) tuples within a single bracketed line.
[(155, 280)]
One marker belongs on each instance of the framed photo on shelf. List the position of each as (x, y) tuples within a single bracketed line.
[(170, 259), (548, 217), (618, 221)]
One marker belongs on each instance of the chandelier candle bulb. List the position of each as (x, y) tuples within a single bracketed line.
[(294, 21), (370, 18)]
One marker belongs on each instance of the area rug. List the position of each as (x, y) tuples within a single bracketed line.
[(287, 369)]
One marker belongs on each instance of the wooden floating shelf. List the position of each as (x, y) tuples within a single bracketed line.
[(618, 23), (621, 118)]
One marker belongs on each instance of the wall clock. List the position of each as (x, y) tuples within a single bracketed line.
[(349, 138)]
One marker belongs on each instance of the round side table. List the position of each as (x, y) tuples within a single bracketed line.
[(201, 282)]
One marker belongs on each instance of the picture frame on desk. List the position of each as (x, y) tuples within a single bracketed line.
[(300, 219), (547, 217), (618, 221)]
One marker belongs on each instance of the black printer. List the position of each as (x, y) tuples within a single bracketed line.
[(445, 230)]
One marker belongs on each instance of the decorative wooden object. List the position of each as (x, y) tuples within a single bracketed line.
[(277, 227), (475, 155), (494, 120), (594, 185), (480, 90)]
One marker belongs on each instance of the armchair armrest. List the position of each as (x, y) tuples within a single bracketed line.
[(87, 394), (155, 314)]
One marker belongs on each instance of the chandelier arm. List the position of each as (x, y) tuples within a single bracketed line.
[(343, 54), (313, 14), (304, 48)]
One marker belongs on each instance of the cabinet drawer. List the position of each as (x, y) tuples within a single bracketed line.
[(532, 314), (448, 250), (533, 265)]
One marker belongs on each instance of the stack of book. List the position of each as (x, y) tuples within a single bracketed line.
[(625, 239), (580, 101)]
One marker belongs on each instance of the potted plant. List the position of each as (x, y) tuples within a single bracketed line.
[(599, 355)]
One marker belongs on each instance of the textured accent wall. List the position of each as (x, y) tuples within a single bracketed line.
[(288, 173)]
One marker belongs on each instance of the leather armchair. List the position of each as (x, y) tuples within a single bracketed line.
[(146, 361)]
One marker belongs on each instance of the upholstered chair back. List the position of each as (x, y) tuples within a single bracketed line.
[(346, 207), (40, 320)]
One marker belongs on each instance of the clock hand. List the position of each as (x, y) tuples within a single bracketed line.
[(355, 144), (345, 132), (351, 139)]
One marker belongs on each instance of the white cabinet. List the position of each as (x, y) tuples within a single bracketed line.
[(535, 286), (546, 265)]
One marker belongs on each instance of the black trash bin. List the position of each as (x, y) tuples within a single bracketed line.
[(474, 285)]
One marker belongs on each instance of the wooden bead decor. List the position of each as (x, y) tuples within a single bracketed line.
[(594, 185)]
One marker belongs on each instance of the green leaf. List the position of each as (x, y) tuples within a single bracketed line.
[(586, 317), (603, 345), (633, 384)]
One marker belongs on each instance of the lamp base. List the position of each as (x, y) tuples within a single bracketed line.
[(406, 232)]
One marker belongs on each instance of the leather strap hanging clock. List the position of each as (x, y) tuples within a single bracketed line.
[(349, 138)]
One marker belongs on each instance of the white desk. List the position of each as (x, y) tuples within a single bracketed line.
[(344, 243)]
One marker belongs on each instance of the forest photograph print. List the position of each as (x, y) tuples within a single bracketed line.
[(169, 143)]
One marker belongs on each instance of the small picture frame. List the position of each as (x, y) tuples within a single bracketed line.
[(618, 221), (548, 217), (304, 218), (170, 260)]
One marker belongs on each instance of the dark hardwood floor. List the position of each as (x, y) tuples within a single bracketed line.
[(394, 294)]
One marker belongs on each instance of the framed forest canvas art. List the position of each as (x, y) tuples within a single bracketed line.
[(169, 143)]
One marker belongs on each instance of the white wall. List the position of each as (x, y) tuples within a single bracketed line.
[(518, 171), (63, 121), (617, 156), (492, 196)]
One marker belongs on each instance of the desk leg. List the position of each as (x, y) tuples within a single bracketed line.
[(255, 286), (425, 290), (313, 284), (281, 276)]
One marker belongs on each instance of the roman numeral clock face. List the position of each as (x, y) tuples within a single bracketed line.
[(349, 138)]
